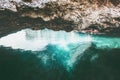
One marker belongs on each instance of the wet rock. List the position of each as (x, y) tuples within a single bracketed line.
[(63, 14)]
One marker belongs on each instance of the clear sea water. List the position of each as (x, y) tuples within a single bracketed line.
[(59, 55)]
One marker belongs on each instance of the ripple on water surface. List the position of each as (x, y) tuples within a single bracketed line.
[(58, 52)]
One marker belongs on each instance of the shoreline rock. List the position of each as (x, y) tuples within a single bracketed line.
[(89, 16)]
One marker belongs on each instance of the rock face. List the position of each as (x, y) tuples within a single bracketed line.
[(93, 16)]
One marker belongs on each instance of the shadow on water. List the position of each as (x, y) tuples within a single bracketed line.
[(97, 64), (24, 65), (94, 64), (44, 55)]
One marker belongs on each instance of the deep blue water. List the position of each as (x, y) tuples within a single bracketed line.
[(59, 55)]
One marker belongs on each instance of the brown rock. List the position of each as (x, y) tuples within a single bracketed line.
[(70, 14)]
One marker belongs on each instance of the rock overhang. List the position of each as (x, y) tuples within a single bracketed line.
[(91, 16)]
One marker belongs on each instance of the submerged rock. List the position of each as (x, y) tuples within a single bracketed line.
[(93, 16)]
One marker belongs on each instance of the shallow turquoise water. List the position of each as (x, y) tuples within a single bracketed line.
[(59, 55)]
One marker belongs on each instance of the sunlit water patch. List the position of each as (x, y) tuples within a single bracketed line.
[(105, 42), (66, 48), (58, 55)]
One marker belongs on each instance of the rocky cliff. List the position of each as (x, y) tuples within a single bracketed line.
[(92, 16)]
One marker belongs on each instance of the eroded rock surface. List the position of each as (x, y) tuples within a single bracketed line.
[(93, 16)]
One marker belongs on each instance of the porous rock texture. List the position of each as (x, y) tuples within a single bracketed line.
[(92, 16)]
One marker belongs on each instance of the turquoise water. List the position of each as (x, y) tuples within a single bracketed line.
[(58, 55)]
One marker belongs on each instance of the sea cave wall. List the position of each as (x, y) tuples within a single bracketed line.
[(89, 16)]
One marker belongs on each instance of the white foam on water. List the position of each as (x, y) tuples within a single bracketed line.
[(71, 43), (39, 40)]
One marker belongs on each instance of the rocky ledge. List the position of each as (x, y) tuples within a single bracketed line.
[(89, 16)]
